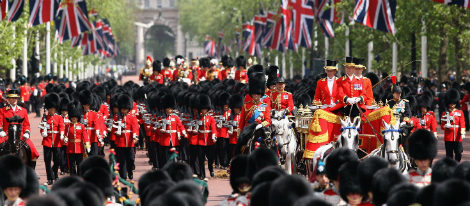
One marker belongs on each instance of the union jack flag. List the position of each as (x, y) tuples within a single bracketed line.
[(376, 14), (15, 10), (209, 47), (77, 40), (462, 3), (108, 38), (303, 16), (259, 29), (329, 12), (327, 27), (42, 11), (276, 32), (3, 9), (268, 32), (98, 35), (72, 19), (250, 39)]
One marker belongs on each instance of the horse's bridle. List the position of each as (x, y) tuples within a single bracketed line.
[(390, 130)]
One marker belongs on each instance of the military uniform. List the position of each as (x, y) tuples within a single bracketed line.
[(326, 91), (282, 100), (422, 145), (171, 131), (418, 177), (207, 134), (77, 143), (146, 71)]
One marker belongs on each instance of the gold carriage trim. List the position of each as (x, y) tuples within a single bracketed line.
[(331, 118), (318, 138), (378, 114)]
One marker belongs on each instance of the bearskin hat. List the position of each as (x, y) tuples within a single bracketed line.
[(402, 194), (168, 101), (84, 97), (422, 144), (68, 197), (304, 99), (238, 172), (100, 178), (155, 190), (257, 83), (194, 101), (32, 184), (227, 61), (260, 194), (254, 69), (100, 91), (366, 170), (336, 159), (189, 187), (236, 101), (443, 169), (65, 182), (179, 59), (268, 174), (153, 100), (204, 101), (452, 97), (241, 61), (349, 181), (204, 62), (88, 193), (260, 159), (271, 72), (178, 171), (224, 99), (311, 200), (452, 192), (157, 66), (166, 62), (382, 182), (125, 102), (52, 100), (424, 101), (150, 178), (95, 103), (13, 172), (462, 170), (287, 189), (93, 162), (49, 199)]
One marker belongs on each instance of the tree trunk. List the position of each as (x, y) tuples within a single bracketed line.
[(458, 57), (442, 61)]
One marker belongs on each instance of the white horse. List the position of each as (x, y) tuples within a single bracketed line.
[(285, 136), (390, 149), (349, 138)]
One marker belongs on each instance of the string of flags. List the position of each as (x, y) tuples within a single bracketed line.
[(291, 26), (71, 20)]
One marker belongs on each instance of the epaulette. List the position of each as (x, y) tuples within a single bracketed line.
[(323, 79), (344, 77)]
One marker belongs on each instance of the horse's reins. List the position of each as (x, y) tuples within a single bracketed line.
[(367, 120)]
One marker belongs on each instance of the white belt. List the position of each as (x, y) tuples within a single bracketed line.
[(52, 132), (205, 131), (90, 128), (126, 131), (168, 131), (455, 126)]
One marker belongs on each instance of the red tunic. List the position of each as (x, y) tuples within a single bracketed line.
[(104, 111), (126, 138), (367, 88), (7, 112), (282, 100), (192, 131), (156, 78), (222, 125), (241, 76), (323, 93), (207, 130), (25, 93), (168, 74), (172, 129), (233, 138), (464, 102), (428, 121), (453, 134), (255, 113), (350, 88), (77, 138), (55, 128), (91, 122)]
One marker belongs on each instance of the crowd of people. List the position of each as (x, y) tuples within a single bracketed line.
[(184, 115)]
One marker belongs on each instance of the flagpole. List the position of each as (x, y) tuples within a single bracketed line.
[(13, 61), (36, 49), (283, 64), (347, 46), (61, 66), (291, 67), (370, 55), (327, 47), (303, 60), (394, 58), (424, 51), (48, 47), (25, 51), (66, 66)]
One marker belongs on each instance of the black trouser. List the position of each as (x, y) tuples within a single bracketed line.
[(142, 135), (164, 154), (63, 156), (36, 104), (152, 151), (52, 153), (467, 123), (193, 159), (74, 161), (94, 150), (231, 150), (222, 151), (454, 147), (209, 152), (125, 157), (184, 153), (26, 106)]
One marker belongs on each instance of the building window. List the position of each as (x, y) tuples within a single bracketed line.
[(172, 3), (147, 4), (159, 3)]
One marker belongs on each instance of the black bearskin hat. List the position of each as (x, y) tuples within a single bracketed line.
[(452, 97), (268, 174), (157, 66), (254, 69), (74, 110), (349, 181), (151, 177), (204, 62), (443, 170), (125, 102), (13, 172), (422, 144), (224, 99), (100, 178), (64, 103), (84, 97), (382, 182), (256, 83), (49, 199), (168, 101), (311, 200), (241, 61), (52, 100), (100, 91), (93, 162), (227, 61), (166, 62), (452, 192), (260, 159), (337, 158), (402, 194), (238, 177), (204, 101), (425, 101), (236, 101), (178, 171), (462, 170), (32, 184), (287, 189), (271, 72), (366, 170)]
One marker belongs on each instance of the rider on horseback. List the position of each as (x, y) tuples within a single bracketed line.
[(11, 110), (255, 111)]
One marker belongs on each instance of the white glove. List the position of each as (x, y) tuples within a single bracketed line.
[(331, 105), (101, 141), (3, 134), (258, 126), (61, 137), (88, 150), (463, 136), (448, 126), (402, 124), (66, 140), (26, 135), (350, 101), (230, 132), (44, 134), (214, 138)]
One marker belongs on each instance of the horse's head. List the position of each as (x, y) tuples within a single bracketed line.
[(349, 137), (280, 130), (275, 114), (391, 137)]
